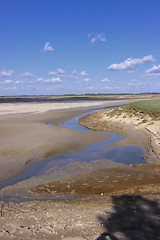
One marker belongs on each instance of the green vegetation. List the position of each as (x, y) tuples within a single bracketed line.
[(148, 105), (141, 109)]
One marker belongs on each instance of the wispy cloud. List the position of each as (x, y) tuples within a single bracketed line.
[(135, 82), (40, 79), (83, 73), (28, 75), (48, 47), (4, 73), (87, 79), (50, 80), (52, 73), (8, 81), (74, 72), (97, 37), (154, 71), (9, 88), (107, 87), (59, 71), (131, 63), (105, 80), (18, 82), (63, 75), (53, 80)]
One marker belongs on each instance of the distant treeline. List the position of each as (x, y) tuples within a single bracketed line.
[(80, 95)]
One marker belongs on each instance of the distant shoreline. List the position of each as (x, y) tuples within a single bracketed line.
[(72, 97)]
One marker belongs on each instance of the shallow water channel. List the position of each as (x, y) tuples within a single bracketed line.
[(103, 149)]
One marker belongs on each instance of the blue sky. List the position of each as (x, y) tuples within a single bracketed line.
[(79, 46)]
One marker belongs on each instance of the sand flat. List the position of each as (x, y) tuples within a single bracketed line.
[(29, 132), (13, 108)]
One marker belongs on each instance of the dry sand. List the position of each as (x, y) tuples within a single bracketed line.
[(12, 108)]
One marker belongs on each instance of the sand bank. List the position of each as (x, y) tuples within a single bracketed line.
[(138, 130), (15, 108)]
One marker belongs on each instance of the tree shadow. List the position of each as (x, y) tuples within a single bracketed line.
[(133, 218)]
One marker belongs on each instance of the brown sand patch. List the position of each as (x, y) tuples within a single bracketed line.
[(131, 179)]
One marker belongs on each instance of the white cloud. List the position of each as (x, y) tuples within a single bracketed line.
[(135, 83), (131, 63), (60, 71), (28, 75), (8, 81), (90, 87), (17, 82), (93, 40), (50, 80), (97, 37), (131, 84), (10, 88), (48, 47), (52, 73), (4, 73), (87, 79), (83, 73), (105, 80), (154, 71), (53, 80), (40, 80), (107, 87)]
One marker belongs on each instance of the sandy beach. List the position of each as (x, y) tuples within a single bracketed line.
[(30, 132)]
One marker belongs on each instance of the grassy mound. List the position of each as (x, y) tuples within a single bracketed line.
[(148, 105), (140, 109)]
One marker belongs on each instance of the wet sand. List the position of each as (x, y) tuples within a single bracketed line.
[(136, 179)]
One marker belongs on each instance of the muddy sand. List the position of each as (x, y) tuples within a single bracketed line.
[(104, 196)]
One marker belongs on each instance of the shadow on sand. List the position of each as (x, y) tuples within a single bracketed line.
[(133, 218)]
